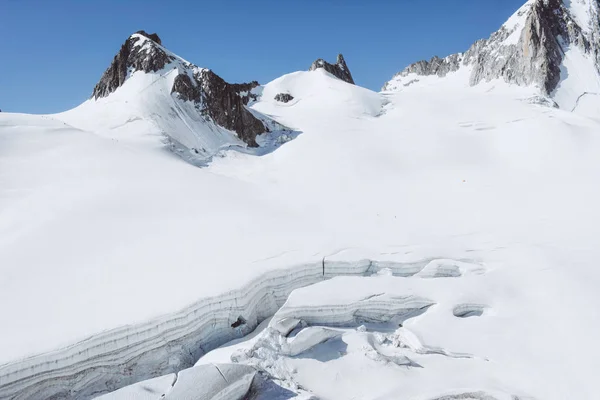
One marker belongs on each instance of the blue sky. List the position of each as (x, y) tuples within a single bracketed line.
[(54, 52)]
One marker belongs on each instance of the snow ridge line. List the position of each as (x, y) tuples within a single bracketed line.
[(365, 310), (125, 355), (582, 95)]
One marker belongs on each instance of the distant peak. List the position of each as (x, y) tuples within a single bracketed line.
[(151, 36), (527, 50), (339, 69)]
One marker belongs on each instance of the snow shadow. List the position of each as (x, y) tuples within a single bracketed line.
[(265, 389), (330, 350)]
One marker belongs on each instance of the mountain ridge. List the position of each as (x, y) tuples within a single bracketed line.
[(527, 50)]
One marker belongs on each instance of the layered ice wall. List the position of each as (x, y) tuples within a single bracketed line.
[(123, 356)]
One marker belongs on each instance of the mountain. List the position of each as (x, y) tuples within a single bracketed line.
[(552, 45), (149, 91)]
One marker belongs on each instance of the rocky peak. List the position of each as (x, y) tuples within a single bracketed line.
[(339, 69), (140, 52), (527, 50), (151, 36)]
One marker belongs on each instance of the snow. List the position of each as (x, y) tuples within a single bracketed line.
[(151, 389), (581, 11), (515, 23), (205, 382), (213, 382), (102, 230), (414, 82), (579, 80), (316, 93)]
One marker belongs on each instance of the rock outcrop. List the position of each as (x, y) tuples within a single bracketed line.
[(527, 50), (339, 69), (284, 97), (215, 99), (222, 102)]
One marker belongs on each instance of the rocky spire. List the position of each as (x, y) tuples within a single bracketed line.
[(136, 54), (527, 50), (339, 69)]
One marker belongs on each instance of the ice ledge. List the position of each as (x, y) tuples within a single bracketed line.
[(125, 355)]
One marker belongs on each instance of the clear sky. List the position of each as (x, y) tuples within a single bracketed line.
[(52, 52)]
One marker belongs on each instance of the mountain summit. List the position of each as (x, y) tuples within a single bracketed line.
[(541, 45), (140, 52)]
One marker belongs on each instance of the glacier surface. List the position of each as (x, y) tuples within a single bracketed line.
[(467, 214)]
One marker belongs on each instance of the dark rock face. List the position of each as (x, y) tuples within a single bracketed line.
[(244, 90), (135, 55), (528, 53), (185, 88), (222, 102), (339, 69), (284, 97), (216, 100), (151, 36)]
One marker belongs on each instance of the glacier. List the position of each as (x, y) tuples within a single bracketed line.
[(435, 240), (492, 186)]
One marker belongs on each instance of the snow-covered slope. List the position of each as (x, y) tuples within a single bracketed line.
[(317, 93), (107, 236), (550, 45)]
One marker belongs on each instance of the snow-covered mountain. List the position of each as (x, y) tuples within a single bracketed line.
[(552, 45), (436, 240), (150, 94)]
